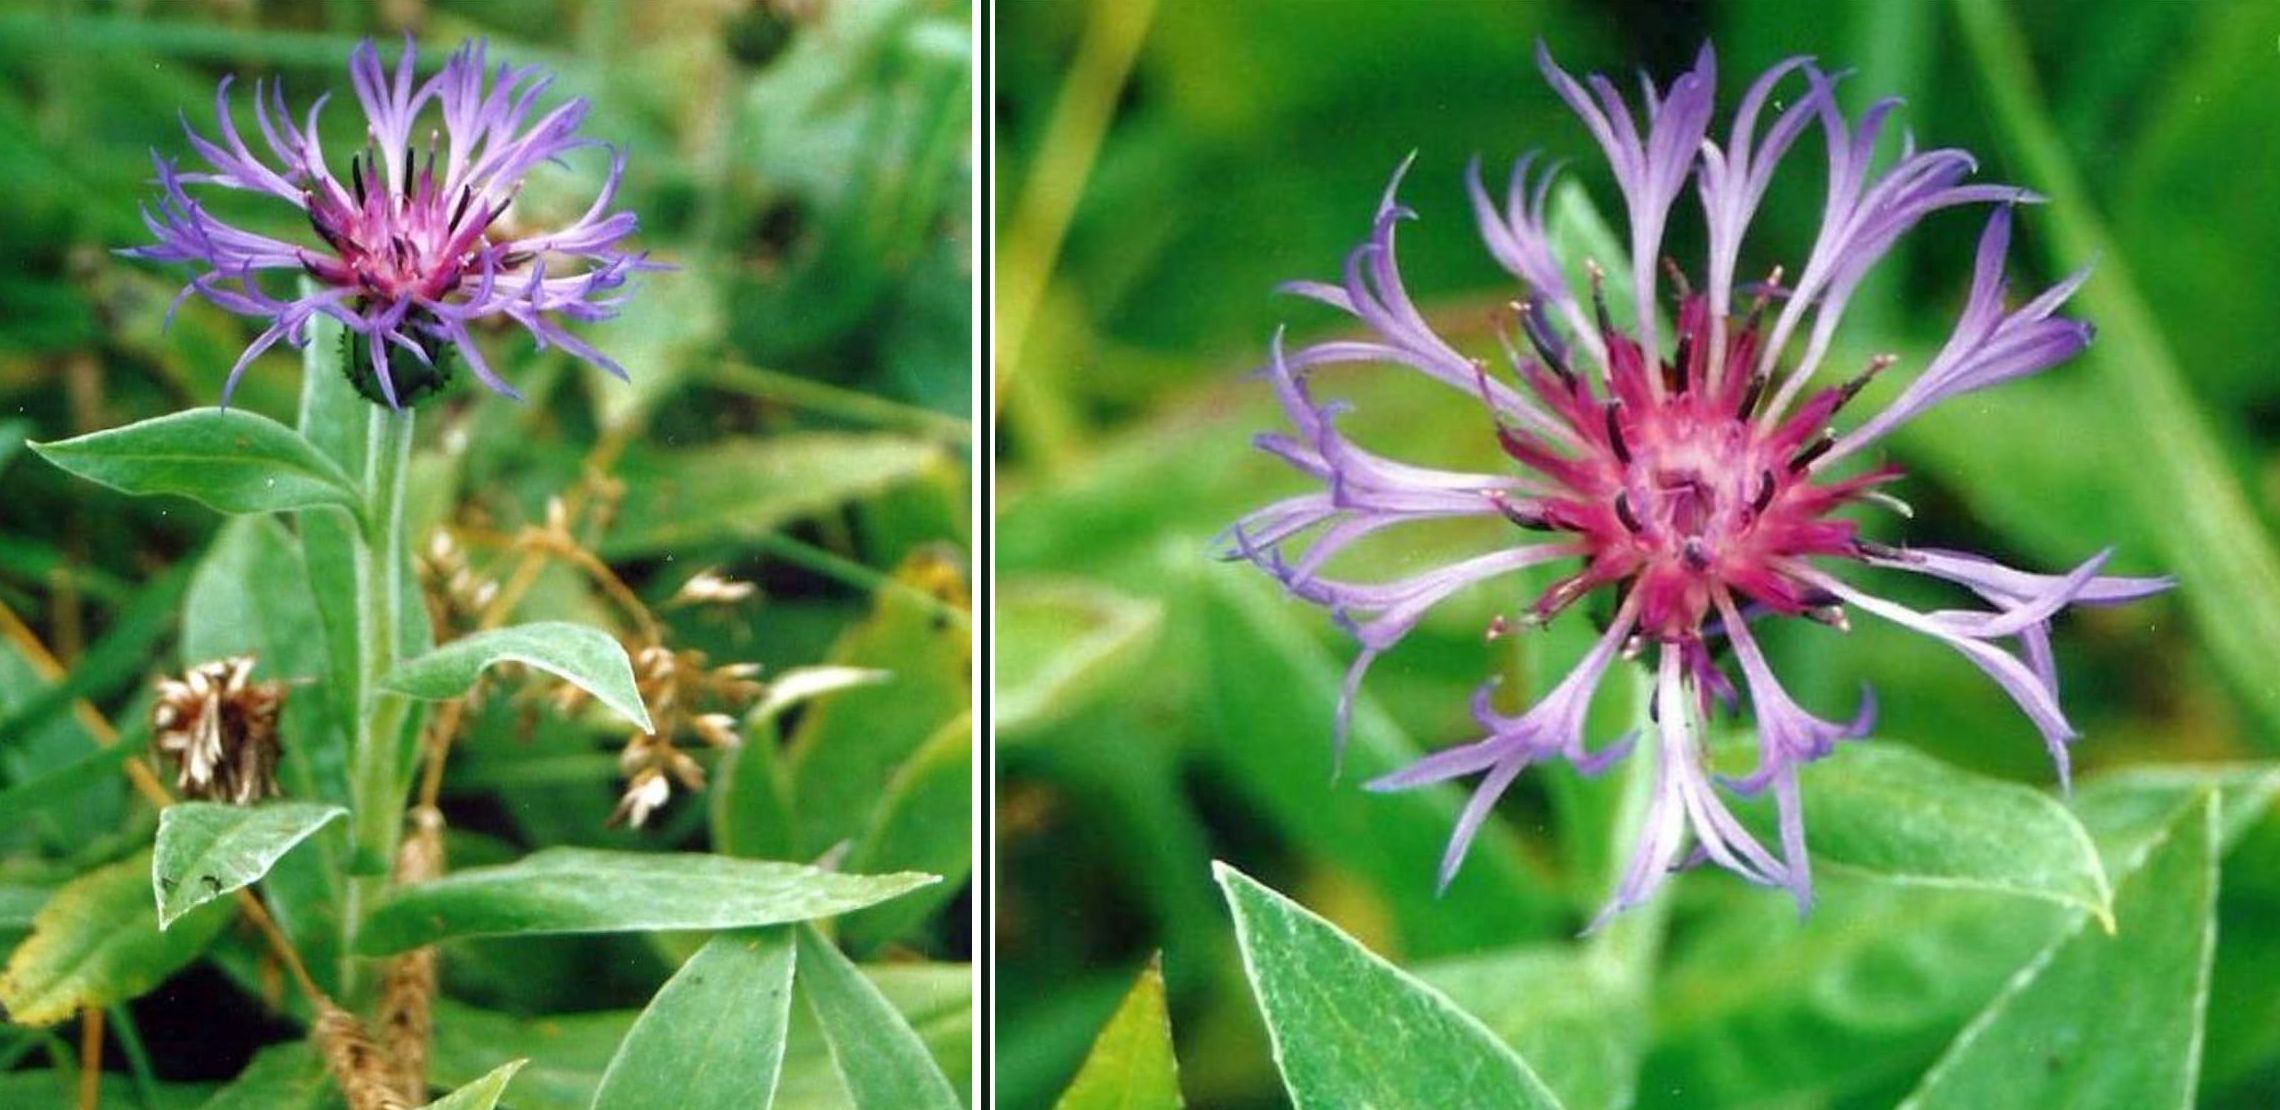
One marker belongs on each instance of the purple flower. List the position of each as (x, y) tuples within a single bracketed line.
[(1698, 480), (418, 245)]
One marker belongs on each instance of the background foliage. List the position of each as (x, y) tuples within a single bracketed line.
[(1165, 165), (798, 419)]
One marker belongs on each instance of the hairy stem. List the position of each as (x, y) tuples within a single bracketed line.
[(377, 786)]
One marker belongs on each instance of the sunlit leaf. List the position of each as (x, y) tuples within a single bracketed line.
[(1884, 809), (2104, 1018), (714, 1035), (1131, 1066), (207, 849), (1351, 1029), (880, 1058), (582, 890), (588, 658), (237, 462), (484, 1093)]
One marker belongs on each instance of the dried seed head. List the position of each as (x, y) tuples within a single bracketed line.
[(709, 588), (364, 1073), (456, 594), (717, 729), (220, 728), (644, 794)]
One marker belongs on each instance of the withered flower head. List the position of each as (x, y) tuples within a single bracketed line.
[(220, 727), (674, 685)]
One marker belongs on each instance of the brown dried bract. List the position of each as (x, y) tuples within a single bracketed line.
[(220, 728)]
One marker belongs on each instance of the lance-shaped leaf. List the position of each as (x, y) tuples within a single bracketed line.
[(484, 1093), (206, 849), (2104, 1019), (582, 890), (238, 462), (587, 658), (1350, 1029), (96, 943), (1889, 811), (714, 1035), (1131, 1064), (880, 1058)]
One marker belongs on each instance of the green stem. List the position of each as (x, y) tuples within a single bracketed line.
[(377, 787)]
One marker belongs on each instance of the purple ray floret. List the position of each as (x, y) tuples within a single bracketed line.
[(420, 243), (1697, 470)]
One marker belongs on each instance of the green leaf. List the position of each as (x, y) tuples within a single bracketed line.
[(880, 1058), (581, 890), (2129, 810), (288, 1076), (1576, 1016), (849, 746), (1064, 643), (206, 849), (1131, 1066), (96, 943), (2107, 1019), (1886, 810), (742, 488), (588, 658), (1351, 1029), (714, 1035), (1756, 1007), (237, 462), (484, 1093), (925, 823), (751, 803)]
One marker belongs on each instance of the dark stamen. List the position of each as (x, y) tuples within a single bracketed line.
[(466, 197), (1816, 598), (1697, 559), (1754, 394), (1677, 371), (1858, 382), (411, 166), (356, 177), (1615, 434), (1764, 496), (1547, 345), (1812, 451), (1874, 550), (1559, 596), (1531, 519), (1599, 300), (1623, 513)]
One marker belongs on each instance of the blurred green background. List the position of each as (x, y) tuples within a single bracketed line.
[(799, 418), (1163, 165)]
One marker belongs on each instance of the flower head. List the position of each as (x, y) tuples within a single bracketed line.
[(417, 245), (1696, 474)]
